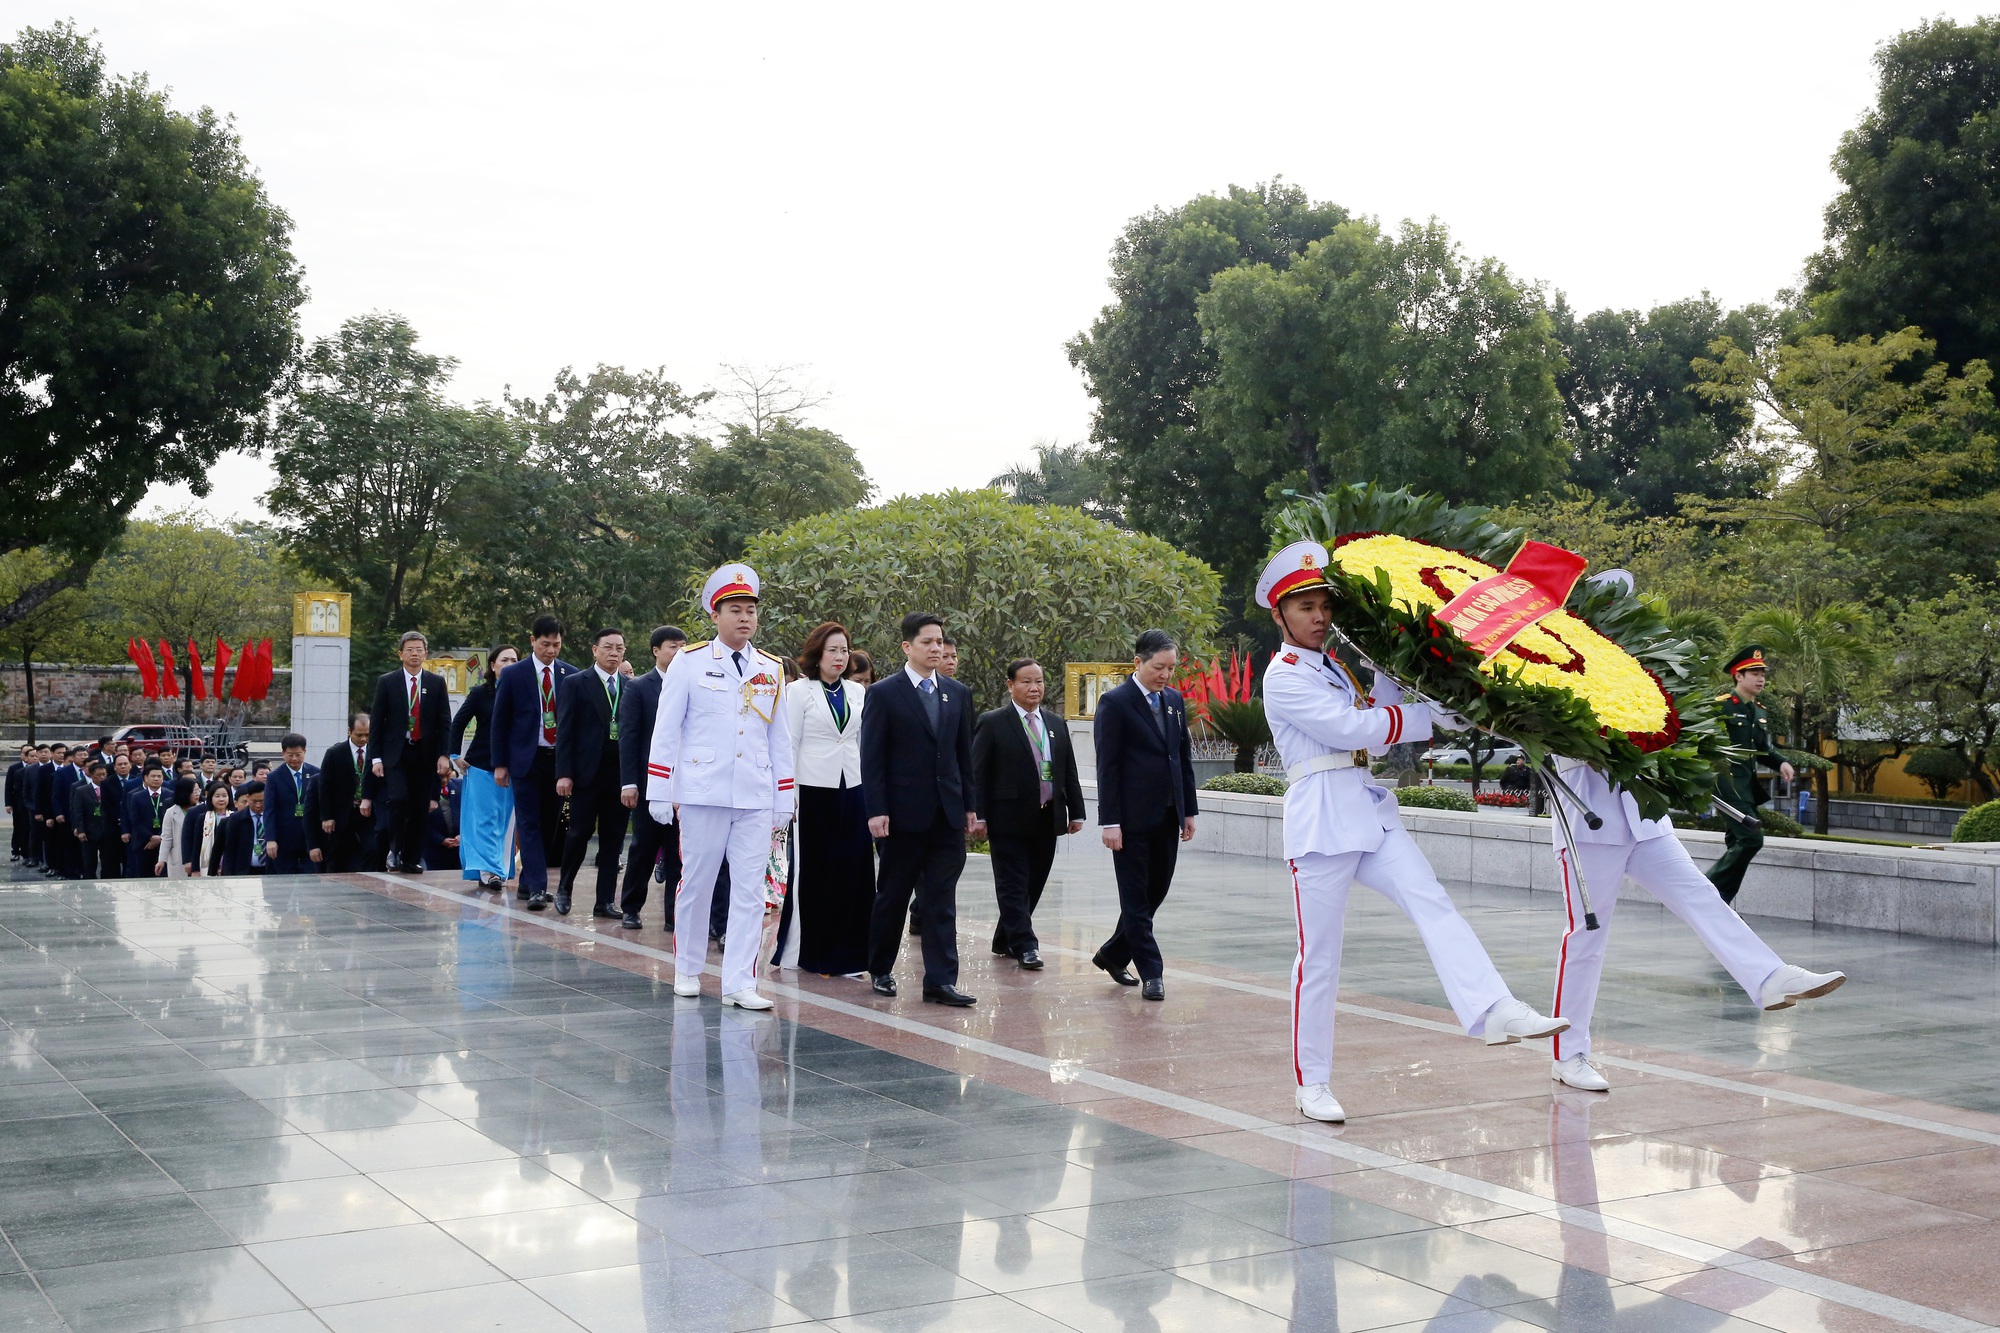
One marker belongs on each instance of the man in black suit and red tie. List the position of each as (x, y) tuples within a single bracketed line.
[(411, 725), (1024, 771), (587, 774), (916, 774), (526, 722), (1145, 803)]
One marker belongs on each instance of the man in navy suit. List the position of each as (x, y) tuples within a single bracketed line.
[(916, 775), (245, 835), (637, 707), (1145, 803), (291, 805), (587, 772), (17, 773), (139, 830), (525, 714), (411, 726), (65, 860)]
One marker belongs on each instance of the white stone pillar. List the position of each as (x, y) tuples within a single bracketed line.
[(321, 624)]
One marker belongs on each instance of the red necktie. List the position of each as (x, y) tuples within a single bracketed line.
[(548, 707)]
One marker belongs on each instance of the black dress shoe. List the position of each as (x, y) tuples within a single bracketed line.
[(537, 901), (950, 995), (1031, 960), (1118, 973), (1154, 989), (885, 985), (599, 909), (562, 904), (631, 921)]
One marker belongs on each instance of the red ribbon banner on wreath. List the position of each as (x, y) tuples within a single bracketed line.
[(1492, 613)]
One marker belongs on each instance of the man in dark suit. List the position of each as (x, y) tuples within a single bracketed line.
[(1024, 772), (291, 804), (638, 705), (525, 712), (244, 835), (65, 858), (343, 814), (411, 724), (30, 808), (93, 832), (139, 830), (916, 771), (587, 769), (1145, 803), (16, 773)]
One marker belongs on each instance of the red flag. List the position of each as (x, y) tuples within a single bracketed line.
[(1550, 568), (263, 670), (246, 665), (196, 680), (168, 680), (149, 670), (221, 665)]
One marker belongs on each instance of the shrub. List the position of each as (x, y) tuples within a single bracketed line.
[(1981, 824), (1246, 784), (1937, 768), (1434, 798), (1775, 824)]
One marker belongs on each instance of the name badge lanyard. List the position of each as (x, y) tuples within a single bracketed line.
[(1035, 744), (611, 698)]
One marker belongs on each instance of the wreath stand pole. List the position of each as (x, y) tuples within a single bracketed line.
[(1548, 775), (1732, 812)]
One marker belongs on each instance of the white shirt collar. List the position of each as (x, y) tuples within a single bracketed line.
[(1024, 712), (603, 676), (660, 671), (414, 677), (917, 678)]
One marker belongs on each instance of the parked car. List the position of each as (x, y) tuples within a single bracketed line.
[(1458, 754), (188, 742)]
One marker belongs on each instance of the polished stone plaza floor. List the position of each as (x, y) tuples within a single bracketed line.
[(378, 1104)]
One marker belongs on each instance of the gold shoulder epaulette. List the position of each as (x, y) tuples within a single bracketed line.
[(693, 646), (1725, 696)]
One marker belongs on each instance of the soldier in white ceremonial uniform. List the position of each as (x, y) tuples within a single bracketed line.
[(1340, 827), (721, 764), (1647, 850)]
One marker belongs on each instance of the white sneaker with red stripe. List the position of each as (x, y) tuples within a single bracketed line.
[(1317, 1103), (1788, 985), (1579, 1072), (1511, 1020)]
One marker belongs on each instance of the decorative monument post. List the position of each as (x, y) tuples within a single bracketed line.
[(320, 650)]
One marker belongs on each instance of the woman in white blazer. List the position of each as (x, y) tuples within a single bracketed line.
[(824, 928)]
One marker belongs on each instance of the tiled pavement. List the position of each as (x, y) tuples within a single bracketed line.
[(375, 1105)]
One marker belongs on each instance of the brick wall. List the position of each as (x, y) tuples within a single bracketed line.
[(109, 696)]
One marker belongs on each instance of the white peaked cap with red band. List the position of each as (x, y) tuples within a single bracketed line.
[(733, 580), (1299, 566)]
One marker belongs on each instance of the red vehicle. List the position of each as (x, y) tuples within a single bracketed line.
[(187, 742)]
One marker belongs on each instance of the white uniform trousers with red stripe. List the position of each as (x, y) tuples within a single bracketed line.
[(1399, 872), (708, 833), (1663, 868)]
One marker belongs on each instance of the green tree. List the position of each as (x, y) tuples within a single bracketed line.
[(1914, 234), (588, 517), (1942, 686), (182, 576), (369, 457), (1824, 657), (53, 628), (1850, 433), (756, 482), (1062, 474), (1385, 358), (1144, 361), (147, 300), (1638, 430), (1670, 559), (1010, 581)]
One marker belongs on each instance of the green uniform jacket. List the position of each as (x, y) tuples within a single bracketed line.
[(1749, 729)]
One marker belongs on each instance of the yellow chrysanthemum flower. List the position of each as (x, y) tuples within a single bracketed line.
[(1558, 650)]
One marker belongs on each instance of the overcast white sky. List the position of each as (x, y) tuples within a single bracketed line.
[(918, 201)]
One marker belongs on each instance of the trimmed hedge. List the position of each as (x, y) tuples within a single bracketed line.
[(1435, 798), (1246, 784), (1980, 824)]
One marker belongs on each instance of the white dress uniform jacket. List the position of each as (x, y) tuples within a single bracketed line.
[(712, 742), (1315, 710), (822, 755), (1614, 805)]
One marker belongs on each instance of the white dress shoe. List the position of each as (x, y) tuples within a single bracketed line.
[(687, 984), (1788, 985), (1578, 1072), (1510, 1020), (1317, 1103), (749, 999)]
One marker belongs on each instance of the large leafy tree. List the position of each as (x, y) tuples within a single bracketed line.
[(1824, 659), (588, 516), (1390, 358), (54, 628), (1010, 581), (147, 300), (1942, 685), (1639, 432), (770, 476), (1144, 360), (1062, 474), (1914, 235), (369, 456)]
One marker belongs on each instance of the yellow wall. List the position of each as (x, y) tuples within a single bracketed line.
[(1891, 780)]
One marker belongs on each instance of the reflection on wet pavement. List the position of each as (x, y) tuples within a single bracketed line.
[(328, 1104)]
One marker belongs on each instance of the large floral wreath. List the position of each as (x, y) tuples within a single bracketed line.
[(1601, 680)]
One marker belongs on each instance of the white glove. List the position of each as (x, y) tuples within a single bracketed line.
[(1443, 719), (781, 816), (661, 811)]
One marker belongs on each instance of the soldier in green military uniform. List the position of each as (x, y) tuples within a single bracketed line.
[(1749, 724)]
